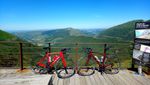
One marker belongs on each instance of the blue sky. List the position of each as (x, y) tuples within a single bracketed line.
[(50, 14)]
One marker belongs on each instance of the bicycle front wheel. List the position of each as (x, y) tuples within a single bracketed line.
[(65, 72)]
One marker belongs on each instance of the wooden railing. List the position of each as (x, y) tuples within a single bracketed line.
[(25, 49)]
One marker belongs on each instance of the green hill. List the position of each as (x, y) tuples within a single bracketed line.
[(9, 50), (123, 31), (148, 20), (6, 36), (4, 50)]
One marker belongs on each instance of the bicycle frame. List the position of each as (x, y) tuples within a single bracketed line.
[(90, 55), (58, 55)]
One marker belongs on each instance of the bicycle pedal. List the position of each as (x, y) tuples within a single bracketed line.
[(101, 73), (50, 72)]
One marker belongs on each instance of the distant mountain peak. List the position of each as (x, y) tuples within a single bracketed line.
[(69, 28)]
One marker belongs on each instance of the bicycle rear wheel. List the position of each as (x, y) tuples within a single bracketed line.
[(86, 71), (84, 68), (113, 64)]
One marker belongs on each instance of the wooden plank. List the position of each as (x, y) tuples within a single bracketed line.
[(135, 79), (117, 79), (77, 81), (145, 79), (97, 79), (60, 81), (124, 77), (114, 82), (88, 80), (66, 81), (114, 79), (102, 79), (82, 80), (72, 80), (92, 80), (128, 78), (56, 79), (110, 82), (141, 79)]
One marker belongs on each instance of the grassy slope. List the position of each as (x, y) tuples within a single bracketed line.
[(6, 36), (123, 31), (9, 52)]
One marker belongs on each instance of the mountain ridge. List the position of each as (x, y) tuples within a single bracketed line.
[(124, 31)]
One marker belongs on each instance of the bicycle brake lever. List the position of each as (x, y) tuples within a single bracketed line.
[(65, 49)]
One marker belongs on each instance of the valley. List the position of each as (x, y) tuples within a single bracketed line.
[(122, 33)]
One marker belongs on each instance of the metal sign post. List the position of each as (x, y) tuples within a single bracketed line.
[(21, 57)]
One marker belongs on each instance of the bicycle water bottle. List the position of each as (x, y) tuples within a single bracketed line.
[(101, 59), (97, 58), (49, 59)]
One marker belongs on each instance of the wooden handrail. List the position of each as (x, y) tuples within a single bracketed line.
[(23, 50)]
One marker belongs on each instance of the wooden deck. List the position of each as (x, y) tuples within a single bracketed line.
[(28, 77), (124, 77)]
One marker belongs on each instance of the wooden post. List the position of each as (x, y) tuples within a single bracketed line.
[(49, 45), (21, 57), (104, 55), (76, 57), (105, 46), (132, 66)]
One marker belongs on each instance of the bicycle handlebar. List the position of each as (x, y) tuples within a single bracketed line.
[(107, 48), (87, 49), (90, 49), (64, 50)]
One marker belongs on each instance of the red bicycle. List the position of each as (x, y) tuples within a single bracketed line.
[(53, 62), (104, 63), (64, 69)]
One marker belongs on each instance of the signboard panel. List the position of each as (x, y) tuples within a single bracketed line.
[(145, 48), (141, 52), (142, 34)]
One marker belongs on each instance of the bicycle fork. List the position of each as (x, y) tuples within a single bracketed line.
[(64, 62)]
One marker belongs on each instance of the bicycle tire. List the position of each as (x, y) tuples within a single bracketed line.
[(86, 71), (43, 71), (61, 71), (112, 71), (62, 74), (35, 69)]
